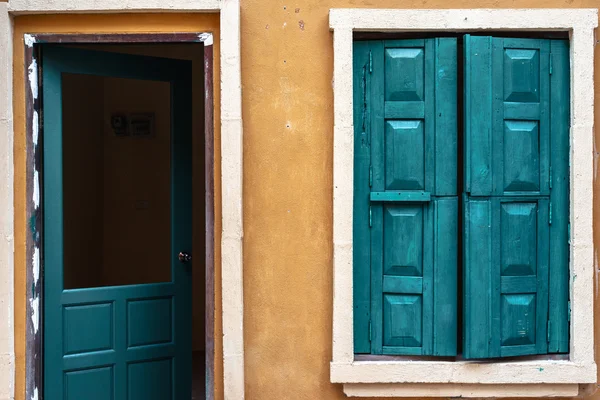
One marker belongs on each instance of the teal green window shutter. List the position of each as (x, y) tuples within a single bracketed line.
[(361, 215), (405, 201), (516, 197), (506, 276), (560, 104)]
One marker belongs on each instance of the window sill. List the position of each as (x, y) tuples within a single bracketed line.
[(458, 390), (549, 378)]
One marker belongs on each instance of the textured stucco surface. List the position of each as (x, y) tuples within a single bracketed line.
[(287, 70)]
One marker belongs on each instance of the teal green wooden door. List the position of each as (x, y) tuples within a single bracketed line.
[(405, 200), (516, 197), (116, 342)]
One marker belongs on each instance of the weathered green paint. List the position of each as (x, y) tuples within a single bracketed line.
[(409, 105), (559, 197), (377, 125), (509, 203), (361, 213), (516, 205), (506, 276), (413, 196), (507, 126), (92, 350)]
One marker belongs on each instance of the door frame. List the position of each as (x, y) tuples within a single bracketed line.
[(34, 184)]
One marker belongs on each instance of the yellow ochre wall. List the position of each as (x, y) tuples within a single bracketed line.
[(287, 62), (287, 70)]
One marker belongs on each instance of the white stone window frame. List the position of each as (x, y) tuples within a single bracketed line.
[(546, 377)]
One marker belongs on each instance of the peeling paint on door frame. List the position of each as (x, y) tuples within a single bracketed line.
[(34, 183)]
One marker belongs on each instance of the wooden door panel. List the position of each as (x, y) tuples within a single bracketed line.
[(91, 384), (117, 342), (152, 379), (88, 328)]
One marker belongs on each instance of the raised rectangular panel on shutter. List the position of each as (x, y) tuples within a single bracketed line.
[(505, 276), (414, 205)]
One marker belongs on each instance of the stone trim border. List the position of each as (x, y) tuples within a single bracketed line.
[(7, 265), (86, 6), (461, 378), (231, 165)]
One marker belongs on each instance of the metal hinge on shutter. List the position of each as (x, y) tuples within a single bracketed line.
[(370, 217), (370, 330), (569, 312), (370, 175), (550, 178), (550, 69), (370, 63), (550, 214), (548, 331)]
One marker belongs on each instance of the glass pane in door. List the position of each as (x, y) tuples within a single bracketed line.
[(117, 181)]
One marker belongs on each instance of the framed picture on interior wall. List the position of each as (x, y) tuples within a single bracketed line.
[(141, 125), (118, 123)]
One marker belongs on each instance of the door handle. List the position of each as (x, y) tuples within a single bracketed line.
[(412, 196), (184, 257)]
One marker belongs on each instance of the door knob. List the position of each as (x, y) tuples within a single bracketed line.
[(184, 257)]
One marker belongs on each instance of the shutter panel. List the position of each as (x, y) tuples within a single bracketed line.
[(414, 205), (507, 116), (505, 276), (508, 201), (559, 195), (361, 233)]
